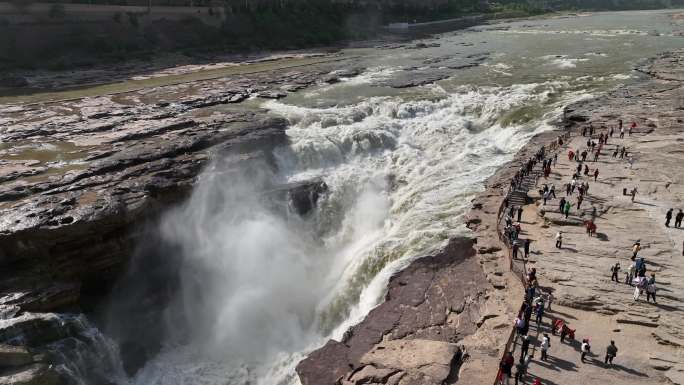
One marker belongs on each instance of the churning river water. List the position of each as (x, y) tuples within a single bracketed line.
[(261, 287)]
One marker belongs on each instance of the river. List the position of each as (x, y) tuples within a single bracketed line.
[(261, 287)]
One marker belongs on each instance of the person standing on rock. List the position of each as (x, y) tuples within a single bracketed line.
[(568, 205), (635, 250), (568, 190), (651, 289), (611, 352), (521, 369), (520, 324), (564, 332), (639, 287), (559, 240), (539, 313), (520, 213), (612, 130), (553, 191), (585, 349), (630, 274), (524, 346), (505, 367), (678, 219), (668, 217), (561, 205), (527, 247), (515, 250), (579, 202), (545, 345), (596, 174), (633, 193), (615, 270)]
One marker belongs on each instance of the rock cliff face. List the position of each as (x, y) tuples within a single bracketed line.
[(80, 180), (412, 337)]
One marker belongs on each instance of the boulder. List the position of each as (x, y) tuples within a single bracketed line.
[(325, 365), (304, 196), (428, 359)]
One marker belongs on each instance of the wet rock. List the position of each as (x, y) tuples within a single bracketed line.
[(325, 365), (13, 81), (417, 79), (36, 374), (271, 94), (11, 356), (33, 329), (51, 297), (304, 196)]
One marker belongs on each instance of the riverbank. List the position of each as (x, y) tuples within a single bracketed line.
[(583, 294), (578, 274)]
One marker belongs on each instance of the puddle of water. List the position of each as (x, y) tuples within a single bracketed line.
[(43, 152)]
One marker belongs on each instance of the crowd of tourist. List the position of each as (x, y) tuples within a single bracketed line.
[(536, 302)]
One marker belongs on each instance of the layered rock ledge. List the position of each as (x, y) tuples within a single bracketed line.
[(81, 179)]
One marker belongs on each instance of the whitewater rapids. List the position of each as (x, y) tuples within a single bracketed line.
[(260, 288)]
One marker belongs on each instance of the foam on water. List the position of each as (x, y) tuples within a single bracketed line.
[(563, 61), (261, 289)]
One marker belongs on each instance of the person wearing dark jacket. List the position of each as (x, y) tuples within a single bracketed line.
[(524, 347), (678, 219), (611, 352), (668, 217)]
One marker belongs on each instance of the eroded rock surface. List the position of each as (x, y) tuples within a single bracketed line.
[(80, 179), (412, 337)]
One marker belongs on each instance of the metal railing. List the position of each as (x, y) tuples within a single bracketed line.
[(519, 268)]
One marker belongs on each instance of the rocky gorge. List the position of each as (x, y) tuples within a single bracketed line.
[(86, 181), (70, 228)]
